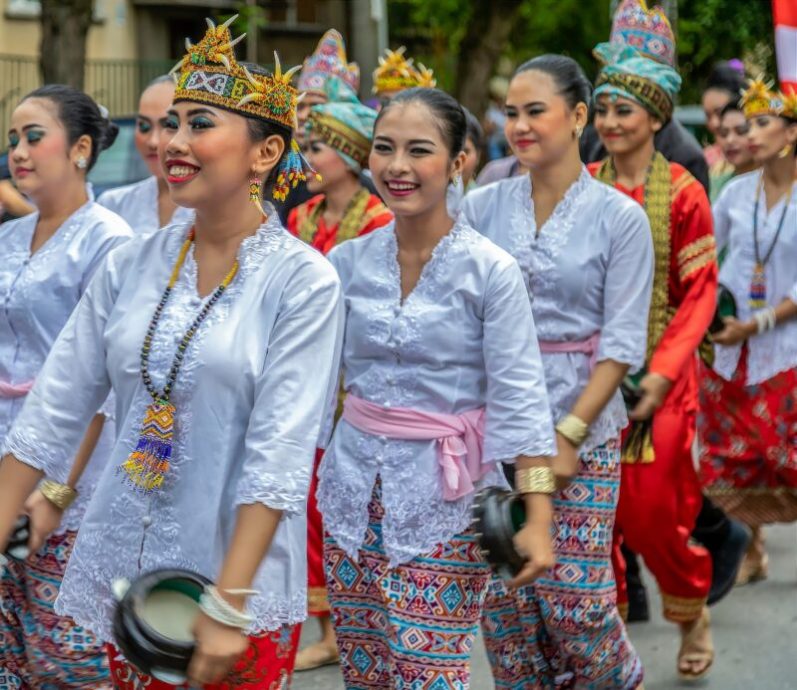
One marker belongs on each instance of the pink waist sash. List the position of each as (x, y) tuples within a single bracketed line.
[(15, 390), (588, 347), (459, 438)]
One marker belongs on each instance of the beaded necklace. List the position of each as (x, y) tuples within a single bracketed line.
[(147, 465), (758, 283)]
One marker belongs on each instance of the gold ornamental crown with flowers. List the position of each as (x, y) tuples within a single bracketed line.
[(209, 73), (760, 99), (397, 73)]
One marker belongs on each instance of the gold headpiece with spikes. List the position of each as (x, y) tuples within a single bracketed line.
[(759, 99), (209, 73), (397, 73), (789, 104)]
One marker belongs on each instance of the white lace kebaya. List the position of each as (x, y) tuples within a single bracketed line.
[(775, 351), (37, 295), (137, 203), (255, 383), (463, 339), (589, 270)]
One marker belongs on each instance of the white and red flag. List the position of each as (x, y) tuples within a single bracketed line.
[(784, 13)]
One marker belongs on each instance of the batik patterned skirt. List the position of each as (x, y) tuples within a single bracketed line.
[(39, 649), (409, 627), (266, 665), (564, 631), (748, 444)]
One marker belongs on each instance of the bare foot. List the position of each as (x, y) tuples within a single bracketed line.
[(316, 655), (697, 648), (755, 566)]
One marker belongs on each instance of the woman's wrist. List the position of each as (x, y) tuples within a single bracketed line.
[(60, 495), (573, 429)]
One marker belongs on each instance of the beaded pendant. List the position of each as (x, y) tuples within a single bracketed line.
[(149, 462), (147, 465), (758, 287)]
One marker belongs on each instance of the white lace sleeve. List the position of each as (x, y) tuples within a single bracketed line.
[(627, 291), (71, 386), (722, 221), (518, 418), (293, 393)]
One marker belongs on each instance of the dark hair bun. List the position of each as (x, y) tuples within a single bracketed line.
[(109, 137)]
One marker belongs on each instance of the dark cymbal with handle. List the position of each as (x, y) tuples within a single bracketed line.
[(153, 619), (498, 515)]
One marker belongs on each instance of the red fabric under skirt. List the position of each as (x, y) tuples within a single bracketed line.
[(267, 665), (317, 597), (748, 444)]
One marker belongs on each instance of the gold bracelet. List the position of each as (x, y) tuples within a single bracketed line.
[(60, 495), (535, 480), (573, 429)]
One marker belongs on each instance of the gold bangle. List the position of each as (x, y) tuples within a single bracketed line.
[(60, 495), (573, 429), (535, 480)]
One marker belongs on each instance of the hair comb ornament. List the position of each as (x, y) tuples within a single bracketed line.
[(397, 73), (759, 99)]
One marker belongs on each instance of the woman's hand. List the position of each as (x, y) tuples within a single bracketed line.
[(534, 540), (565, 464), (735, 331), (44, 518), (218, 648), (654, 389)]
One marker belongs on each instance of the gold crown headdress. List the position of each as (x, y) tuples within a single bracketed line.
[(397, 73), (209, 73), (759, 99)]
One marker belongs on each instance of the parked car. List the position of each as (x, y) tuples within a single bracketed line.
[(120, 164), (117, 166), (694, 119)]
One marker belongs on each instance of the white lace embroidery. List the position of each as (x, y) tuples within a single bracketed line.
[(417, 518), (86, 594), (57, 270), (538, 255)]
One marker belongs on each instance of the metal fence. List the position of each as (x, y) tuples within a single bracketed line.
[(116, 84)]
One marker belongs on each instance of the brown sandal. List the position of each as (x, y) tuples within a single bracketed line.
[(695, 649)]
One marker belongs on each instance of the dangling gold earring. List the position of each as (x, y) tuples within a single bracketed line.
[(255, 185), (785, 151)]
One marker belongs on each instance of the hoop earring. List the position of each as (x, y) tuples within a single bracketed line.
[(255, 187)]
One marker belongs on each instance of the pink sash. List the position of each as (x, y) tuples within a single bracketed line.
[(15, 390), (588, 347), (459, 438)]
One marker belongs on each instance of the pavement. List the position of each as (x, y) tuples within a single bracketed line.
[(755, 635)]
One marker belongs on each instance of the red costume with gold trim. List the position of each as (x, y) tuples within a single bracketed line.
[(659, 492), (325, 238)]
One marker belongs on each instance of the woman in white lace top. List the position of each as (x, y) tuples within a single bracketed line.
[(147, 205), (48, 259), (587, 260), (444, 382), (224, 337), (749, 398)]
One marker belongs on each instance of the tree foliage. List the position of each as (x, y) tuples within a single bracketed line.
[(707, 30)]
